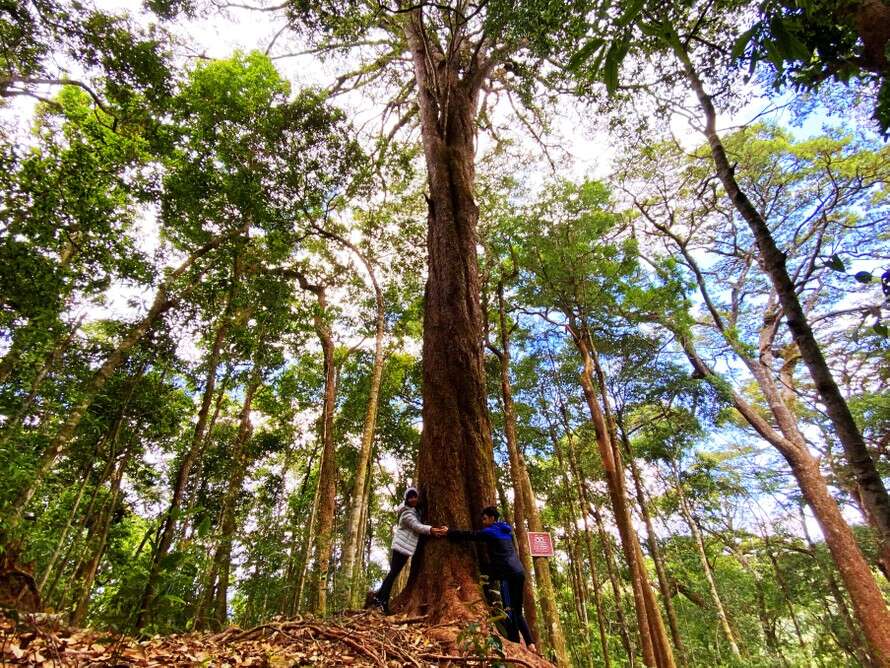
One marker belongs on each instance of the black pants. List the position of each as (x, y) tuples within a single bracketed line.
[(515, 586), (396, 564)]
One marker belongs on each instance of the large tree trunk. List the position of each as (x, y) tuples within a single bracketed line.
[(653, 636), (854, 644), (455, 467), (871, 486)]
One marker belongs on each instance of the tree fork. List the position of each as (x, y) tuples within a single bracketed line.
[(868, 602)]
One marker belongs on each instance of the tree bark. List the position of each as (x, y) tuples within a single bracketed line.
[(871, 485), (455, 467)]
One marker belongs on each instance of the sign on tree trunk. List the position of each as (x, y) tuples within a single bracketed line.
[(540, 544)]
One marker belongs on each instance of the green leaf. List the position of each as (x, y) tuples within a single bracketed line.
[(787, 44), (583, 54), (836, 264), (880, 329), (652, 29), (863, 276), (741, 43), (630, 13), (774, 55), (610, 69)]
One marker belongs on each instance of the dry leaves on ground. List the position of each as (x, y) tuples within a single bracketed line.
[(351, 639)]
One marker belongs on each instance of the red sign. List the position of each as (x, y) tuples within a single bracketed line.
[(540, 544)]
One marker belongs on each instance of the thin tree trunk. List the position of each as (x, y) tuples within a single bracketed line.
[(871, 485), (353, 546), (652, 541), (103, 524), (523, 498), (171, 516), (198, 466), (786, 595), (327, 477), (228, 513), (60, 543), (656, 651), (308, 540), (587, 507), (10, 427), (360, 582), (549, 609), (664, 654), (163, 301), (614, 581), (691, 522)]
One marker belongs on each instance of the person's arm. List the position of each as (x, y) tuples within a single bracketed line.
[(465, 534), (409, 520)]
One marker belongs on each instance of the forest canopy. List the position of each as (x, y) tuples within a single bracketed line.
[(619, 270)]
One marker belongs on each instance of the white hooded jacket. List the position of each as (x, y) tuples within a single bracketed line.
[(408, 527)]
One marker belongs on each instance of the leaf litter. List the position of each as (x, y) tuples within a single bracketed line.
[(363, 638)]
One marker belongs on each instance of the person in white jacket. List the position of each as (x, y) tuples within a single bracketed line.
[(404, 542)]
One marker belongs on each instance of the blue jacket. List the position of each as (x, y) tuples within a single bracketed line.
[(504, 562)]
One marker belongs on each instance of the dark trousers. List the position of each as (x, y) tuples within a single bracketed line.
[(396, 564), (512, 588)]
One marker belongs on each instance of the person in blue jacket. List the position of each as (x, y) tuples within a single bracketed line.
[(504, 565)]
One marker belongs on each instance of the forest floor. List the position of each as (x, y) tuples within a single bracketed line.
[(363, 638)]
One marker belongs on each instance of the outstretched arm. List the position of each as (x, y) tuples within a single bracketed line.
[(465, 534)]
